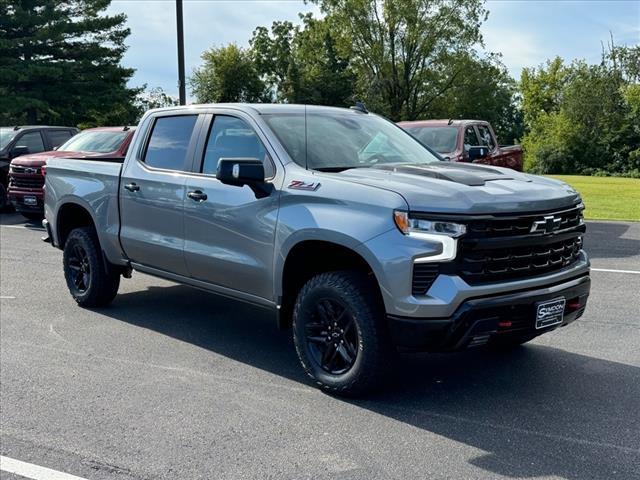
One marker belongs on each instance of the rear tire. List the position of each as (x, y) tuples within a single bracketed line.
[(89, 282), (340, 333)]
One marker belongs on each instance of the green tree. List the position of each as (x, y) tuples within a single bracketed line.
[(583, 118), (61, 63), (485, 91), (303, 65), (405, 51), (229, 74), (155, 98)]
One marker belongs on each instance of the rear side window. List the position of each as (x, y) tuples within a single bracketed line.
[(169, 142), (31, 140), (58, 137), (231, 137)]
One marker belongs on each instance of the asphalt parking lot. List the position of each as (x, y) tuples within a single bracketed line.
[(173, 383)]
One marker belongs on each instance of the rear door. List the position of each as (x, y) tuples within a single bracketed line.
[(152, 193), (229, 230)]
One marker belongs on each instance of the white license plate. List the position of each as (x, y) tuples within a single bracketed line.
[(550, 312), (30, 200)]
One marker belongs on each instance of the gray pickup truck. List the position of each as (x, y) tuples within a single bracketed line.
[(352, 232)]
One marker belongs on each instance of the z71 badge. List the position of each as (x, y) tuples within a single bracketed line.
[(300, 185)]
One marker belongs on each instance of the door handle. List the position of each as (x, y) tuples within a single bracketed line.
[(132, 187), (197, 196)]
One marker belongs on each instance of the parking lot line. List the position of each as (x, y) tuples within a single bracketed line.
[(35, 472), (6, 297), (633, 272)]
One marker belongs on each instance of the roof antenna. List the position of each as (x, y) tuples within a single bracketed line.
[(450, 121), (359, 107), (126, 128)]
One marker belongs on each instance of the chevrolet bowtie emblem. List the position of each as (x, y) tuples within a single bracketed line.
[(548, 224)]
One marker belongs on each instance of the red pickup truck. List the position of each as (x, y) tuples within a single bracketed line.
[(465, 141), (26, 173)]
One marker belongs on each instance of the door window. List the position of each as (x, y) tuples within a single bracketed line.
[(169, 142), (31, 140), (231, 137), (58, 137), (470, 138), (485, 137)]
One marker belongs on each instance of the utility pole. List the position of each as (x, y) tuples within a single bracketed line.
[(180, 29)]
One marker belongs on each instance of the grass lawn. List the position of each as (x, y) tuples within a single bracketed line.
[(607, 198)]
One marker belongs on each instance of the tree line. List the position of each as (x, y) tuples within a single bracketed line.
[(406, 59)]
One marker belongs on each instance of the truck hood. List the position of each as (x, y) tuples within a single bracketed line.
[(463, 188), (39, 159)]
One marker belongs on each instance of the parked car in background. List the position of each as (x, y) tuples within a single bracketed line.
[(26, 176), (22, 140), (465, 141), (337, 221)]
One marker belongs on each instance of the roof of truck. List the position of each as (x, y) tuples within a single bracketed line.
[(440, 123), (260, 108)]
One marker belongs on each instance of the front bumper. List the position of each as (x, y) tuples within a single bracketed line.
[(492, 319), (17, 199)]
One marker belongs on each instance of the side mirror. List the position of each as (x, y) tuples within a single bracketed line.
[(476, 153), (19, 150), (240, 171)]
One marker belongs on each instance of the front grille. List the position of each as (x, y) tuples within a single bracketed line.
[(480, 265), (490, 227), (500, 248), (32, 182), (424, 274)]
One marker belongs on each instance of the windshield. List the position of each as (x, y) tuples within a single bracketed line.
[(94, 141), (441, 139), (6, 135), (338, 140)]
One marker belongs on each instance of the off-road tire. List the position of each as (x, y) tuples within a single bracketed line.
[(102, 282), (358, 295)]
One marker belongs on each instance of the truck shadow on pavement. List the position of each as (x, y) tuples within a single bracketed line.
[(605, 239), (535, 411)]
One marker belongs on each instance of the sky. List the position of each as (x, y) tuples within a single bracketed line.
[(526, 32)]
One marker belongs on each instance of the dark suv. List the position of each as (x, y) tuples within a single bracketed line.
[(22, 140)]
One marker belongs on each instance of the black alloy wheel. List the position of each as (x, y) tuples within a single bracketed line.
[(332, 336), (78, 263)]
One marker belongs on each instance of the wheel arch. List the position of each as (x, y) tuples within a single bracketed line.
[(310, 257)]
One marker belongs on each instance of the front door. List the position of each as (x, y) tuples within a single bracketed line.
[(229, 231), (152, 194)]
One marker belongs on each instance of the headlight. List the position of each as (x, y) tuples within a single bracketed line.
[(408, 225), (434, 231)]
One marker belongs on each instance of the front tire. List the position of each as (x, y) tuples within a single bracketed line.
[(90, 283), (340, 333)]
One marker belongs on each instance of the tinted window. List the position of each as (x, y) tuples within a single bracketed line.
[(441, 139), (470, 138), (95, 141), (32, 140), (341, 139), (231, 137), (58, 137), (485, 137), (169, 142)]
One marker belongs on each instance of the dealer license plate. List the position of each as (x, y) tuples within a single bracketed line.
[(550, 312), (30, 200)]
